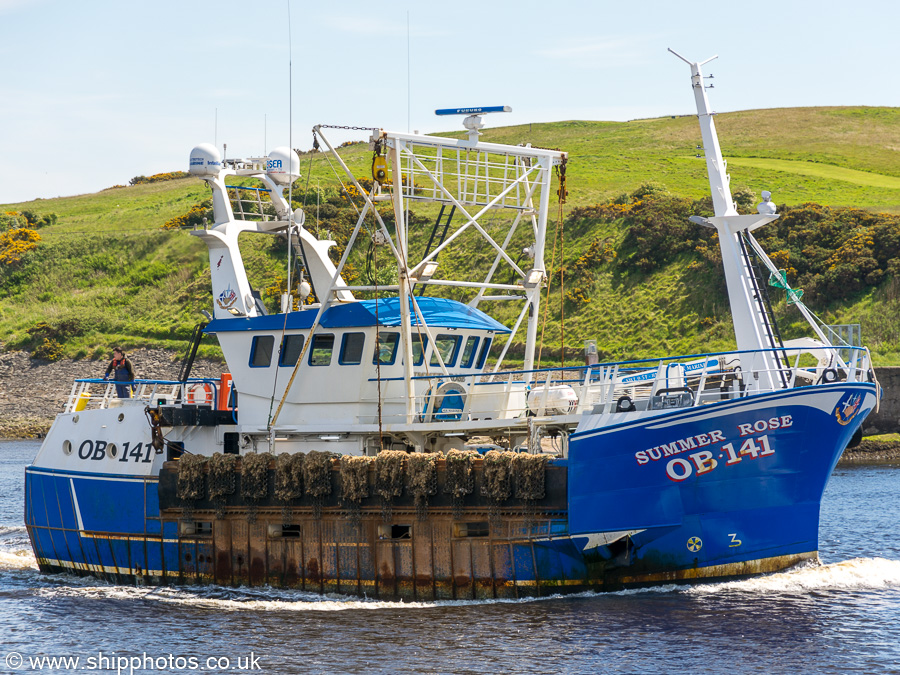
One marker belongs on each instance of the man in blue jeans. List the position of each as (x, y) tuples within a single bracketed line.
[(122, 372)]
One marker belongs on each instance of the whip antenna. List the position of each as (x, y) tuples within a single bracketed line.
[(408, 78)]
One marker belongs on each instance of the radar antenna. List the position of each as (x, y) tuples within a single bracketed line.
[(473, 121)]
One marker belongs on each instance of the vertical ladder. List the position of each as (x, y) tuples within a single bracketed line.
[(764, 306)]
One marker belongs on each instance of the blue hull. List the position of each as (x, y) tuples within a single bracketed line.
[(723, 490), (715, 487), (103, 525)]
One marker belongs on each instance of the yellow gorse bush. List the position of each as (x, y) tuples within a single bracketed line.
[(15, 243), (189, 219)]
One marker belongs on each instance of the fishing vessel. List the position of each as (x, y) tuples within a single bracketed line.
[(367, 439)]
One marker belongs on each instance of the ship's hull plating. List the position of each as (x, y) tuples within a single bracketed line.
[(721, 491)]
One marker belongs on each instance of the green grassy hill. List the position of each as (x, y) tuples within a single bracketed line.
[(106, 273)]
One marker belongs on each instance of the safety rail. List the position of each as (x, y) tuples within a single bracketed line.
[(471, 176), (86, 396), (251, 203), (628, 386)]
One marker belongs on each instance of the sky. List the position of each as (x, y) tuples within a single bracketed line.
[(95, 92)]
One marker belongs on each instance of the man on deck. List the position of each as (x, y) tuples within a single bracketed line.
[(122, 372)]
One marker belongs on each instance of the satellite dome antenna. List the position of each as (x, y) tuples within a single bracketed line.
[(473, 121)]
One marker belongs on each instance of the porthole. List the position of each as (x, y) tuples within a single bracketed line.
[(112, 450), (67, 447), (121, 417)]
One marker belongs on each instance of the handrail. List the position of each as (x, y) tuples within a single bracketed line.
[(599, 387), (145, 390), (607, 364), (193, 380)]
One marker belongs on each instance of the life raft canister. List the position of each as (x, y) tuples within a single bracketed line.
[(200, 394)]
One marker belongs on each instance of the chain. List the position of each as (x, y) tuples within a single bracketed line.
[(316, 145), (338, 126)]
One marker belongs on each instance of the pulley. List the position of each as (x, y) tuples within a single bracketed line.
[(379, 168)]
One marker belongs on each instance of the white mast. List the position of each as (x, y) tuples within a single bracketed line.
[(750, 324)]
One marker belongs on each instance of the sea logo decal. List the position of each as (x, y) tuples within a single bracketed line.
[(847, 408), (694, 544), (227, 298)]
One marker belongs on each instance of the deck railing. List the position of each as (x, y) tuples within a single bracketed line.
[(92, 393), (627, 386)]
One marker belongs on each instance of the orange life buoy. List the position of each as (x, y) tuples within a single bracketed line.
[(200, 394)]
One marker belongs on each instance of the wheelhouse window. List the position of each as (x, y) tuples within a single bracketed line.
[(447, 346), (291, 346), (386, 349), (419, 343), (261, 351), (483, 354), (469, 352), (352, 349), (322, 347)]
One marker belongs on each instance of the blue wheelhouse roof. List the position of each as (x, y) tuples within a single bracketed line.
[(437, 312)]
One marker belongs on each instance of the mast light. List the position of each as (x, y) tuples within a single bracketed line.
[(426, 272), (533, 278)]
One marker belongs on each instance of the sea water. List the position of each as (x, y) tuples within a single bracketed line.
[(842, 616)]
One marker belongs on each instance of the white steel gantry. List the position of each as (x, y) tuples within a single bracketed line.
[(477, 180)]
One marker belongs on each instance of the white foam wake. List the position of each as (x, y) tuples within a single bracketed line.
[(18, 560), (857, 574), (15, 549), (263, 599)]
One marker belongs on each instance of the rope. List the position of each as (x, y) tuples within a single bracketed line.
[(547, 301), (560, 223), (561, 193)]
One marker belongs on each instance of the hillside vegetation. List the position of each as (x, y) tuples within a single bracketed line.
[(637, 276)]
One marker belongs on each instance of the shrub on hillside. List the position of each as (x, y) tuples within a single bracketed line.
[(48, 350), (45, 339), (193, 218), (832, 253), (659, 230), (16, 243), (158, 177), (12, 220), (36, 220), (835, 252)]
